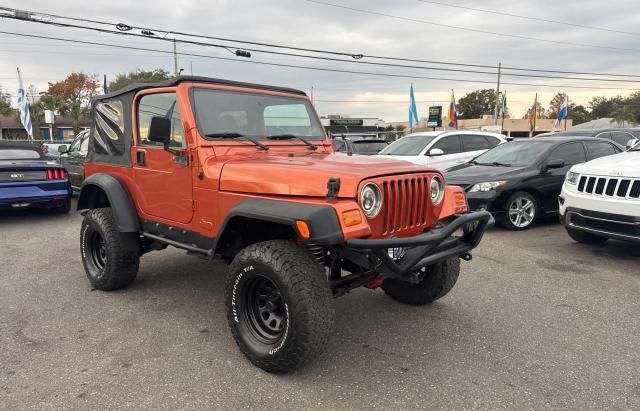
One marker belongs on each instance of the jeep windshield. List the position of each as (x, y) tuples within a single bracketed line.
[(253, 115)]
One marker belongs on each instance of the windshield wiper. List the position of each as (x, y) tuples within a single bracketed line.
[(238, 135), (493, 163), (292, 136)]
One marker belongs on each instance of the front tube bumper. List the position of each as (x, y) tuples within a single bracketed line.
[(428, 248)]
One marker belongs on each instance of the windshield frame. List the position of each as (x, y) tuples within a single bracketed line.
[(535, 161), (295, 98)]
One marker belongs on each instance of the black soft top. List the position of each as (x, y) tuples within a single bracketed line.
[(194, 79)]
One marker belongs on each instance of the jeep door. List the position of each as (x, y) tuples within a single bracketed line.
[(163, 180)]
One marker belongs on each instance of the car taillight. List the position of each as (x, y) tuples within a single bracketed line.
[(56, 174)]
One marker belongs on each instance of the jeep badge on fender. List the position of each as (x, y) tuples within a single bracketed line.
[(246, 174)]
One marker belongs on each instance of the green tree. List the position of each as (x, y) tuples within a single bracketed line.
[(388, 127), (556, 103), (5, 104), (603, 107), (400, 127), (139, 76), (477, 103), (579, 114), (623, 115), (71, 97)]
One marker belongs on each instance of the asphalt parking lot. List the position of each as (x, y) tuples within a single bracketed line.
[(536, 321)]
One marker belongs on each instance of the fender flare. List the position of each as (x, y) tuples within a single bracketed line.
[(124, 213), (322, 220)]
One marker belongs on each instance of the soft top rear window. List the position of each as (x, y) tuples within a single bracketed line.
[(20, 153)]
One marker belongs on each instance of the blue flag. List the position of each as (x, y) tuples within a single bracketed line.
[(23, 107), (413, 111)]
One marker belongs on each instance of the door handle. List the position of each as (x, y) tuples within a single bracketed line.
[(140, 157)]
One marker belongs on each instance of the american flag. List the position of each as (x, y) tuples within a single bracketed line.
[(23, 106)]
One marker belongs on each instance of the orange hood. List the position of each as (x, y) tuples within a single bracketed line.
[(307, 175)]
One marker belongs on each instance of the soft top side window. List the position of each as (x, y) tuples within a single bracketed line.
[(160, 105)]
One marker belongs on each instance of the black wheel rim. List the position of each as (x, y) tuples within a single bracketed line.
[(98, 251), (265, 311)]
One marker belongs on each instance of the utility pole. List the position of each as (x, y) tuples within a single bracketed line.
[(495, 116), (175, 59)]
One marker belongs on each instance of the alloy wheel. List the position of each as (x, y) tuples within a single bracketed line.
[(522, 211)]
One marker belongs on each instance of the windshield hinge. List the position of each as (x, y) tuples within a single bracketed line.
[(333, 186)]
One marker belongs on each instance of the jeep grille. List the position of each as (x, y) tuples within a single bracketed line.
[(610, 187), (405, 203)]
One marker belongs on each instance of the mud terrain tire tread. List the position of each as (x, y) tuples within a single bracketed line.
[(436, 283), (122, 250), (308, 296)]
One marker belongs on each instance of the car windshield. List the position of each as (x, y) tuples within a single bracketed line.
[(364, 146), (408, 146), (19, 154), (254, 115), (514, 153)]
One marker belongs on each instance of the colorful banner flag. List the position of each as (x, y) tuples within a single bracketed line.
[(504, 104), (452, 115), (413, 110), (533, 115), (23, 107)]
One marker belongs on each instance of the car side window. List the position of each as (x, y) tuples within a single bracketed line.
[(75, 144), (159, 105), (622, 137), (474, 143), (599, 149), (493, 142), (84, 146), (449, 145), (570, 153)]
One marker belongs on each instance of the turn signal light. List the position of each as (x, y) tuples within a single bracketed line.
[(303, 229), (460, 202), (351, 217), (56, 174)]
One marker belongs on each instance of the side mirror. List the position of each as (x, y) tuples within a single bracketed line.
[(62, 148), (160, 130), (435, 152), (632, 143), (554, 164)]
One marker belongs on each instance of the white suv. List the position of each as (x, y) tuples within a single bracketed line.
[(601, 199), (442, 149)]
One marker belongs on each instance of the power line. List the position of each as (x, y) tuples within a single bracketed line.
[(228, 47), (123, 28), (500, 13), (450, 26), (390, 75)]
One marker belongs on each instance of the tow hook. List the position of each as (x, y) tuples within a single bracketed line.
[(466, 256)]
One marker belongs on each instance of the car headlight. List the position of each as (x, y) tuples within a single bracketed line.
[(436, 189), (488, 186), (572, 178), (371, 200)]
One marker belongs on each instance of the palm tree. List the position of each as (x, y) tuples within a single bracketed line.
[(623, 114)]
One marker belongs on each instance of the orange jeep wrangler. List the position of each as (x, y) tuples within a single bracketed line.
[(245, 173)]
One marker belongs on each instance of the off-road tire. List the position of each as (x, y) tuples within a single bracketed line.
[(508, 224), (436, 282), (64, 209), (115, 264), (306, 305), (586, 238)]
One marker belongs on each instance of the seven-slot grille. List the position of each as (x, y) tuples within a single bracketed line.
[(610, 186), (405, 203)]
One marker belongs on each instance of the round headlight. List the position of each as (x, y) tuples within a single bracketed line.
[(436, 190), (371, 200)]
